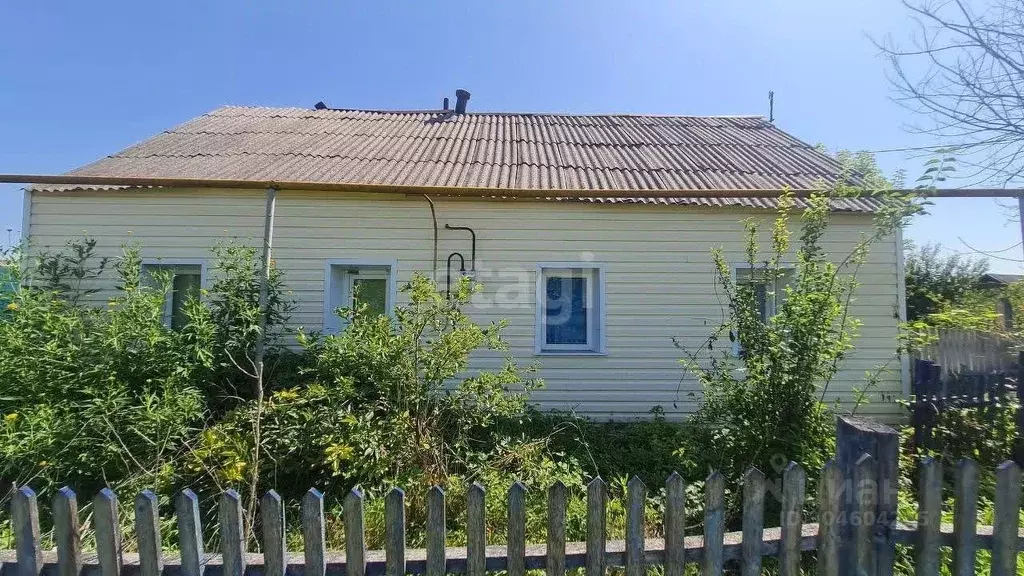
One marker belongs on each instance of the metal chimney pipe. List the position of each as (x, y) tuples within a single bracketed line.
[(461, 99), (445, 104)]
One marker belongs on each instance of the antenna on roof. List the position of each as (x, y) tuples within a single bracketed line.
[(771, 106)]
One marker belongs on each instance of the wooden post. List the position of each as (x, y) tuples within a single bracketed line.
[(314, 549), (66, 533), (794, 481), (25, 524), (636, 498), (929, 518), (965, 518), (355, 536), (190, 534), (275, 555), (476, 530), (394, 532), (597, 511), (108, 533), (830, 506), (516, 548), (147, 531), (1007, 513), (854, 438), (675, 525), (437, 528), (232, 535), (556, 530), (714, 523), (753, 521)]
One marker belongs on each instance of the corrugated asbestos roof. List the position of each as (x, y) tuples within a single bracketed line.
[(484, 150)]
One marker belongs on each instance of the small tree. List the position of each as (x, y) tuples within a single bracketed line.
[(766, 406), (935, 281)]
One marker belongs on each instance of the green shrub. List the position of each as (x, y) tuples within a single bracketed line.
[(93, 396)]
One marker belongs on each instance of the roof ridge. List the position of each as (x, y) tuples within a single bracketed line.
[(486, 113)]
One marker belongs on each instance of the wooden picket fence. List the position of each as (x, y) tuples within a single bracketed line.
[(958, 350), (853, 524)]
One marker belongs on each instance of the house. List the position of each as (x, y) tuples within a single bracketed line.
[(595, 287)]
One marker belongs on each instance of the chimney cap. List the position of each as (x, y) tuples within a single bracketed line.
[(461, 98)]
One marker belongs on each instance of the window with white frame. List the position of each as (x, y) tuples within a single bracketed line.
[(570, 308), (769, 294), (352, 283), (184, 280)]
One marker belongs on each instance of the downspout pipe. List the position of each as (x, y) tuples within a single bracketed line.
[(268, 242)]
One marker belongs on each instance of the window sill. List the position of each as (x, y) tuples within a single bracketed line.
[(569, 353)]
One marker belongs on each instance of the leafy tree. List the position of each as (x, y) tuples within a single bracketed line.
[(766, 406), (963, 70), (935, 281)]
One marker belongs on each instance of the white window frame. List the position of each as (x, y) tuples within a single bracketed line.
[(596, 334), (332, 324), (170, 263), (771, 305)]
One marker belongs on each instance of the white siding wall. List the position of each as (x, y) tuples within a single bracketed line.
[(660, 281)]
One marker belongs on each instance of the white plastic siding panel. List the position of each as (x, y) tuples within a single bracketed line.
[(659, 278)]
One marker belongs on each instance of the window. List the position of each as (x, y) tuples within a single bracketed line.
[(355, 282), (570, 310), (186, 280), (768, 297)]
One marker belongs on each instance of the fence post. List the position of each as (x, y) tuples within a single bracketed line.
[(854, 438)]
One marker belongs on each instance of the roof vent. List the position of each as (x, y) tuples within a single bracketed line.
[(320, 106), (445, 104), (461, 98)]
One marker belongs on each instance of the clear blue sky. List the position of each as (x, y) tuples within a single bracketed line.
[(83, 79)]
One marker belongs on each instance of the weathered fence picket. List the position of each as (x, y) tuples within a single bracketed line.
[(830, 506), (636, 496), (147, 532), (394, 532), (753, 521), (437, 528), (476, 530), (1004, 525), (190, 534), (66, 532), (516, 547), (355, 536), (714, 550), (232, 534), (965, 518), (108, 533), (791, 522), (556, 529), (597, 526), (275, 555), (675, 525), (314, 536)]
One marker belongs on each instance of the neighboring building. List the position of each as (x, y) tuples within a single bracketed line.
[(595, 289), (998, 283)]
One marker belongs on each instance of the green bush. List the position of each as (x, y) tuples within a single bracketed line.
[(95, 395)]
